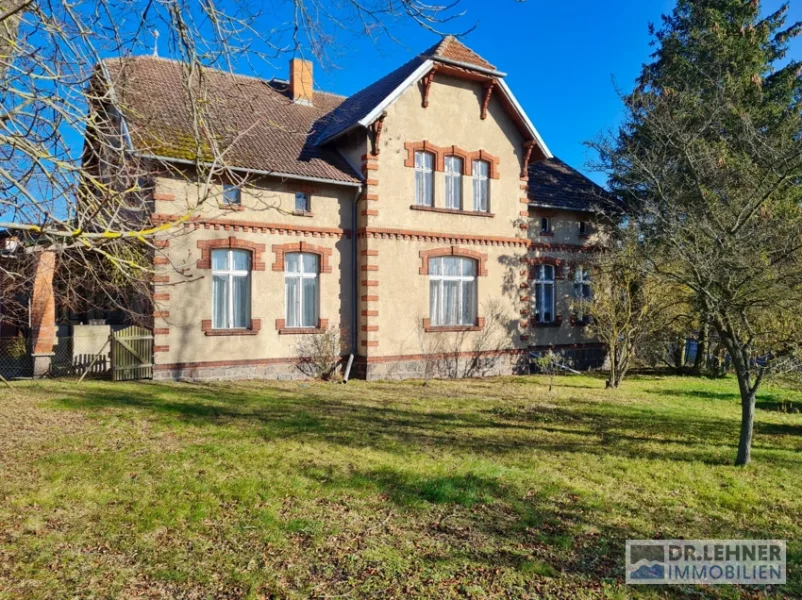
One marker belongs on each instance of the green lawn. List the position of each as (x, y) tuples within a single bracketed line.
[(491, 488)]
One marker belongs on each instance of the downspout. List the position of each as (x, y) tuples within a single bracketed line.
[(354, 244), (355, 315)]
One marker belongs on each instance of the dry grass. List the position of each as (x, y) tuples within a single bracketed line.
[(489, 488)]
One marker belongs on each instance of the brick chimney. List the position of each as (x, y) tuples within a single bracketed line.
[(301, 81)]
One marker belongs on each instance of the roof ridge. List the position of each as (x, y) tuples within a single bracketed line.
[(215, 69)]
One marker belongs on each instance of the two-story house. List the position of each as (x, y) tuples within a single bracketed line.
[(403, 210)]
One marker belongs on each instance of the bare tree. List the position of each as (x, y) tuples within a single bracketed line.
[(60, 69), (320, 355), (464, 352), (708, 163), (630, 305)]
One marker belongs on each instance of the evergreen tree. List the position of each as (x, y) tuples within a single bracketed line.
[(709, 163)]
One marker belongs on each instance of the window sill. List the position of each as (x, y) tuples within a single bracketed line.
[(301, 331), (206, 327), (452, 211), (557, 322), (322, 326), (231, 207), (298, 213), (428, 328), (584, 322), (230, 332), (546, 234)]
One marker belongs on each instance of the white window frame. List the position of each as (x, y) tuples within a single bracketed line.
[(230, 273), (307, 202), (454, 166), (300, 275), (582, 279), (423, 174), (438, 320), (481, 187), (230, 188), (542, 281)]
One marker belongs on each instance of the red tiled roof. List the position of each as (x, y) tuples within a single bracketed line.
[(252, 120), (451, 48)]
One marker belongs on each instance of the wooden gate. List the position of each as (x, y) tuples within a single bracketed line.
[(132, 354)]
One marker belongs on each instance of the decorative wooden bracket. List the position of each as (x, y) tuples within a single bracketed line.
[(528, 146), (427, 83), (376, 133), (488, 89)]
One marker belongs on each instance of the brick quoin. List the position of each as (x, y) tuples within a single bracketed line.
[(43, 304)]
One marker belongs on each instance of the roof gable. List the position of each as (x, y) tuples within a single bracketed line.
[(449, 56), (450, 48)]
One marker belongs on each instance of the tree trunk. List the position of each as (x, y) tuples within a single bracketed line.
[(611, 380), (700, 362), (748, 393), (747, 429)]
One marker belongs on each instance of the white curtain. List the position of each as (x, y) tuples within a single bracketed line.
[(481, 186), (309, 308), (292, 284), (241, 301), (302, 289), (424, 165), (220, 302), (453, 182)]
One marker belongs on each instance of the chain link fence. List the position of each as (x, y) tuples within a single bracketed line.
[(15, 358), (79, 349)]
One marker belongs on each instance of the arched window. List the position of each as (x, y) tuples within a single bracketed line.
[(452, 291), (424, 178), (481, 186), (231, 289), (454, 182), (544, 293), (301, 283)]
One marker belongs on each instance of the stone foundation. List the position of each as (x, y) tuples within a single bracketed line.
[(508, 362), (442, 367), (286, 371)]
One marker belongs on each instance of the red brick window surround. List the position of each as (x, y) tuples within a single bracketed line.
[(479, 257), (557, 263), (281, 327), (481, 271), (205, 263), (281, 249), (440, 153), (324, 263), (206, 247)]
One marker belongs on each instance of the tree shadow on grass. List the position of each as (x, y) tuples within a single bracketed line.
[(700, 394), (585, 427), (486, 521)]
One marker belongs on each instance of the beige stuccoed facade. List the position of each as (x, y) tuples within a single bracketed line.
[(373, 245)]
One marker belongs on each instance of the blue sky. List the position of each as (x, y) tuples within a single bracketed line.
[(563, 60)]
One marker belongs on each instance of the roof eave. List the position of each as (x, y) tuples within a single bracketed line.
[(413, 77), (260, 172), (562, 208), (522, 114), (464, 65)]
